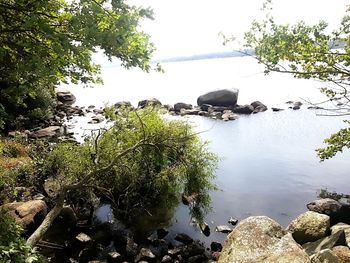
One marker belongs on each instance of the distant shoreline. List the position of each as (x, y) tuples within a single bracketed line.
[(215, 55)]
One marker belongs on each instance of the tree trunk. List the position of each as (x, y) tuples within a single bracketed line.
[(45, 225)]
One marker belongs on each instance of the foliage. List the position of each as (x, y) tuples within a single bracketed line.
[(170, 159), (12, 246), (308, 52), (45, 42), (16, 167)]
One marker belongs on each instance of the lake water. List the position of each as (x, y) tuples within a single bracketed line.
[(268, 162)]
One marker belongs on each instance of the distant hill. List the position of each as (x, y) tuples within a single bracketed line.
[(216, 55)]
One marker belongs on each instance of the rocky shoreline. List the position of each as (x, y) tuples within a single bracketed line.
[(319, 235), (218, 105)]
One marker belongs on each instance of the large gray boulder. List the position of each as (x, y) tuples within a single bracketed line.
[(260, 239), (223, 97), (309, 227)]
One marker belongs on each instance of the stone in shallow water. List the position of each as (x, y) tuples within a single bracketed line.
[(183, 238), (223, 229)]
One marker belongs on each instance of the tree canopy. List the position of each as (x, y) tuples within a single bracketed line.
[(45, 42), (309, 52)]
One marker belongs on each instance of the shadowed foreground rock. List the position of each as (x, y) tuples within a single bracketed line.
[(261, 239)]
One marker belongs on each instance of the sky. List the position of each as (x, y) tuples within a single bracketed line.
[(187, 27)]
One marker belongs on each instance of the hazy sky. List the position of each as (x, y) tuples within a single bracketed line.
[(185, 27)]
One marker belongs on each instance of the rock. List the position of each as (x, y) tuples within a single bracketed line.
[(315, 108), (228, 116), (98, 111), (222, 97), (29, 214), (309, 227), (49, 132), (296, 107), (297, 104), (193, 250), (197, 259), (131, 247), (337, 239), (245, 109), (67, 216), (65, 96), (345, 228), (189, 112), (233, 221), (258, 106), (83, 238), (205, 229), (180, 105), (145, 254), (337, 211), (114, 257), (96, 119), (204, 113), (276, 109), (174, 252), (219, 109), (260, 239), (223, 229), (149, 102), (215, 256), (216, 115), (342, 253), (183, 238), (166, 259), (215, 246), (324, 256), (162, 232), (205, 107)]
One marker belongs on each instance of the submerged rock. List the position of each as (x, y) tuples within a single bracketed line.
[(260, 239), (224, 97), (309, 227), (183, 238)]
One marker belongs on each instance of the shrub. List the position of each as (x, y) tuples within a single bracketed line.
[(12, 246), (170, 160)]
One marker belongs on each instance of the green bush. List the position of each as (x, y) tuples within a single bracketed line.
[(170, 161), (12, 246)]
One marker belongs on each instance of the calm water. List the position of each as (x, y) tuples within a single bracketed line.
[(268, 163)]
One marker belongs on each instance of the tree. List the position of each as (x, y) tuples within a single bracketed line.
[(45, 42), (308, 52), (142, 159)]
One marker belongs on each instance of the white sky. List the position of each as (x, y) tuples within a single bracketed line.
[(187, 27)]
